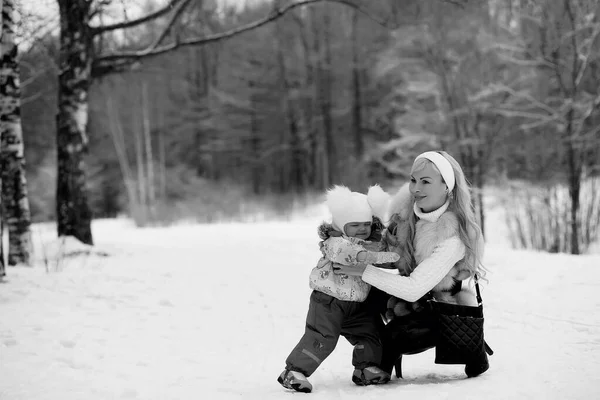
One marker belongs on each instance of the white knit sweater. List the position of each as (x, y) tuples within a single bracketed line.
[(438, 248)]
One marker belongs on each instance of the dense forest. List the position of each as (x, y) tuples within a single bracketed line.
[(329, 93)]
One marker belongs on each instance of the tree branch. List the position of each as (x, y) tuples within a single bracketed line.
[(527, 96), (134, 22), (103, 63), (586, 55), (575, 61), (99, 7), (34, 73), (595, 104), (521, 114), (459, 3), (178, 10)]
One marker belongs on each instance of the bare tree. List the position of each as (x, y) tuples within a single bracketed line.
[(322, 47), (447, 66), (357, 120), (466, 68), (291, 109), (14, 202), (560, 42), (81, 62)]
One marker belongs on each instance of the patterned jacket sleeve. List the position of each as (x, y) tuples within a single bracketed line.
[(341, 250), (424, 277)]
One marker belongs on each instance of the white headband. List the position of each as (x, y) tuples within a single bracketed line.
[(442, 164)]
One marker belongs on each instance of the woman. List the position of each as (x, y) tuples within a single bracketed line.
[(436, 229)]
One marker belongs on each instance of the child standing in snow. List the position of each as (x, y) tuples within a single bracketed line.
[(336, 304)]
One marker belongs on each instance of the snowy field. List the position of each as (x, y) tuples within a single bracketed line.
[(212, 311)]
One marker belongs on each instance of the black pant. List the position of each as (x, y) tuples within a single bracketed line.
[(327, 319), (410, 334)]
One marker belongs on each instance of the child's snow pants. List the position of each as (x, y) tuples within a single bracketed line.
[(327, 319)]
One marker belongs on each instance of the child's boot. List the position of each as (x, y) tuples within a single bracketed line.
[(370, 376), (294, 380)]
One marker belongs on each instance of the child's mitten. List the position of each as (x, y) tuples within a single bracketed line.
[(389, 314), (403, 308), (398, 308), (392, 302), (380, 257), (417, 306)]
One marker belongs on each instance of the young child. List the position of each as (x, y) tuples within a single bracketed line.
[(336, 304)]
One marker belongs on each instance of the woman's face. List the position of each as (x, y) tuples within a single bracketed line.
[(427, 187)]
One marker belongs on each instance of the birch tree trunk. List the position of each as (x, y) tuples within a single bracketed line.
[(326, 102), (307, 104), (141, 213), (162, 158), (254, 142), (356, 91), (323, 98), (297, 168), (14, 201), (148, 150), (2, 268), (74, 216), (118, 138)]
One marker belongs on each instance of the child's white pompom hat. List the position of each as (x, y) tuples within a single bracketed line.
[(347, 206), (379, 201)]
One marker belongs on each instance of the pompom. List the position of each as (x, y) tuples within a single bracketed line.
[(379, 201), (327, 230), (401, 203)]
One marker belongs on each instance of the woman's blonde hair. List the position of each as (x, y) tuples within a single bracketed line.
[(460, 203)]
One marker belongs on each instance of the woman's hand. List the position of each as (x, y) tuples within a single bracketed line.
[(356, 270)]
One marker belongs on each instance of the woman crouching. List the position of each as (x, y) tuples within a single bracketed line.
[(434, 230)]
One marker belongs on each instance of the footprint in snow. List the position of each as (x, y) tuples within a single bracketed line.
[(129, 394), (69, 344), (165, 303)]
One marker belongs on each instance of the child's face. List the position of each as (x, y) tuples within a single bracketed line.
[(428, 188), (360, 230)]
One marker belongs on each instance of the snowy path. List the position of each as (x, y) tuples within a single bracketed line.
[(211, 312)]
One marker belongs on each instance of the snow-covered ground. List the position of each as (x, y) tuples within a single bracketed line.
[(212, 311)]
